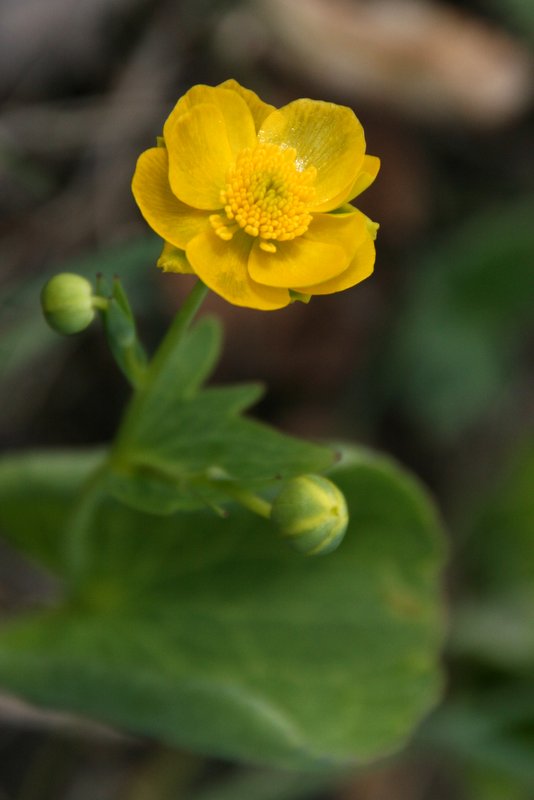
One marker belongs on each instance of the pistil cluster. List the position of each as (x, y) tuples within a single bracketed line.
[(267, 196)]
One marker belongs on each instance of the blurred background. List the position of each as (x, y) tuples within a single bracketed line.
[(428, 360)]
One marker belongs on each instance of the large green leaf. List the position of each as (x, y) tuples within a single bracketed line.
[(209, 633)]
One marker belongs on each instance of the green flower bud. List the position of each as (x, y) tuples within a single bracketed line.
[(312, 514), (67, 303)]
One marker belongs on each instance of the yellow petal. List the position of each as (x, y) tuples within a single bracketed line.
[(326, 136), (359, 268), (199, 156), (347, 229), (297, 263), (235, 111), (222, 266), (325, 250), (171, 219), (173, 259), (343, 210), (366, 175), (259, 110)]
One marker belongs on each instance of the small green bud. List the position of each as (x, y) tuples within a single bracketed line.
[(312, 514), (67, 303)]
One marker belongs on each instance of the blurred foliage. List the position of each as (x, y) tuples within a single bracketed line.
[(456, 352), (24, 334), (489, 722), (499, 551), (520, 12)]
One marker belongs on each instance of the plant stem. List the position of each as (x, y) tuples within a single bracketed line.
[(178, 327), (249, 500), (99, 302), (135, 369)]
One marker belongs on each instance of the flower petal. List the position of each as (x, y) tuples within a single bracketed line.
[(166, 215), (359, 268), (259, 110), (346, 229), (297, 263), (222, 266), (366, 175), (173, 259), (199, 155), (232, 105), (325, 250), (326, 136)]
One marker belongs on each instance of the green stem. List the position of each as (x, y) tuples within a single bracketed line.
[(99, 302), (178, 327), (135, 369), (249, 500)]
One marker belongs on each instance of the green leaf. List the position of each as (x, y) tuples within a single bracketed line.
[(199, 441), (212, 635), (35, 491), (187, 366), (177, 441)]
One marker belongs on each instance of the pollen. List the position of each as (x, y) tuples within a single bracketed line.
[(267, 195)]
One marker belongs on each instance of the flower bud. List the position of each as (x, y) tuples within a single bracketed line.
[(67, 303), (311, 513)]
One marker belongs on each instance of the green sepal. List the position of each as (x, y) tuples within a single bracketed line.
[(173, 259), (299, 296)]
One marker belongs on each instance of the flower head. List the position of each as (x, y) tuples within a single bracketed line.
[(255, 200)]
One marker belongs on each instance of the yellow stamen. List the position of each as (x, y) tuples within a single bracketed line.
[(221, 227), (267, 195), (269, 247)]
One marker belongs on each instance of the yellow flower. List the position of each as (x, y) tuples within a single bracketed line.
[(255, 200)]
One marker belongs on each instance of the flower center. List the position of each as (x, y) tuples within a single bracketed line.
[(266, 195)]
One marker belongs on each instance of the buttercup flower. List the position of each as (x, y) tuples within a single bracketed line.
[(255, 200)]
